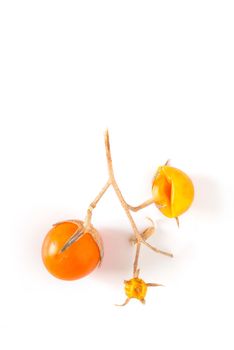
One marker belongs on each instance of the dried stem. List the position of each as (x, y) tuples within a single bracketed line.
[(143, 205), (135, 264), (127, 208), (116, 187), (125, 303), (122, 201), (156, 250), (92, 205)]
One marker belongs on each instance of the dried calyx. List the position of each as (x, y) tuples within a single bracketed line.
[(80, 232)]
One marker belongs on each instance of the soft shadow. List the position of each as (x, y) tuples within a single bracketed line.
[(208, 198), (117, 253)]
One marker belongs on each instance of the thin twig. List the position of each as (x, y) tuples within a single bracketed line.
[(116, 187), (156, 249), (136, 260), (111, 181), (93, 205), (87, 222), (126, 208), (141, 206), (123, 202)]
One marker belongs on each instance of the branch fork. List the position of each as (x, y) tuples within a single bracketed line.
[(139, 238)]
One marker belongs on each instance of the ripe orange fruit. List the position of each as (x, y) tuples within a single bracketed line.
[(79, 259), (173, 191)]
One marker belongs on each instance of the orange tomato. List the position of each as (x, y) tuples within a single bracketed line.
[(79, 259), (173, 191)]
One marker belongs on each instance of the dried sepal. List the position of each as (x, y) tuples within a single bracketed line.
[(148, 232), (80, 232), (98, 239), (136, 288)]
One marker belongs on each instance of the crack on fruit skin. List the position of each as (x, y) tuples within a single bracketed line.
[(181, 194), (77, 260), (80, 232)]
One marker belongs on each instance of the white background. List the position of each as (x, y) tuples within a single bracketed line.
[(159, 75)]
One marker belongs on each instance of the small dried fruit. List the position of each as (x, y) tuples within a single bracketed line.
[(136, 288)]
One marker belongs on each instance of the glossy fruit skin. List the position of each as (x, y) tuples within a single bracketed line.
[(75, 262), (173, 190), (135, 288)]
